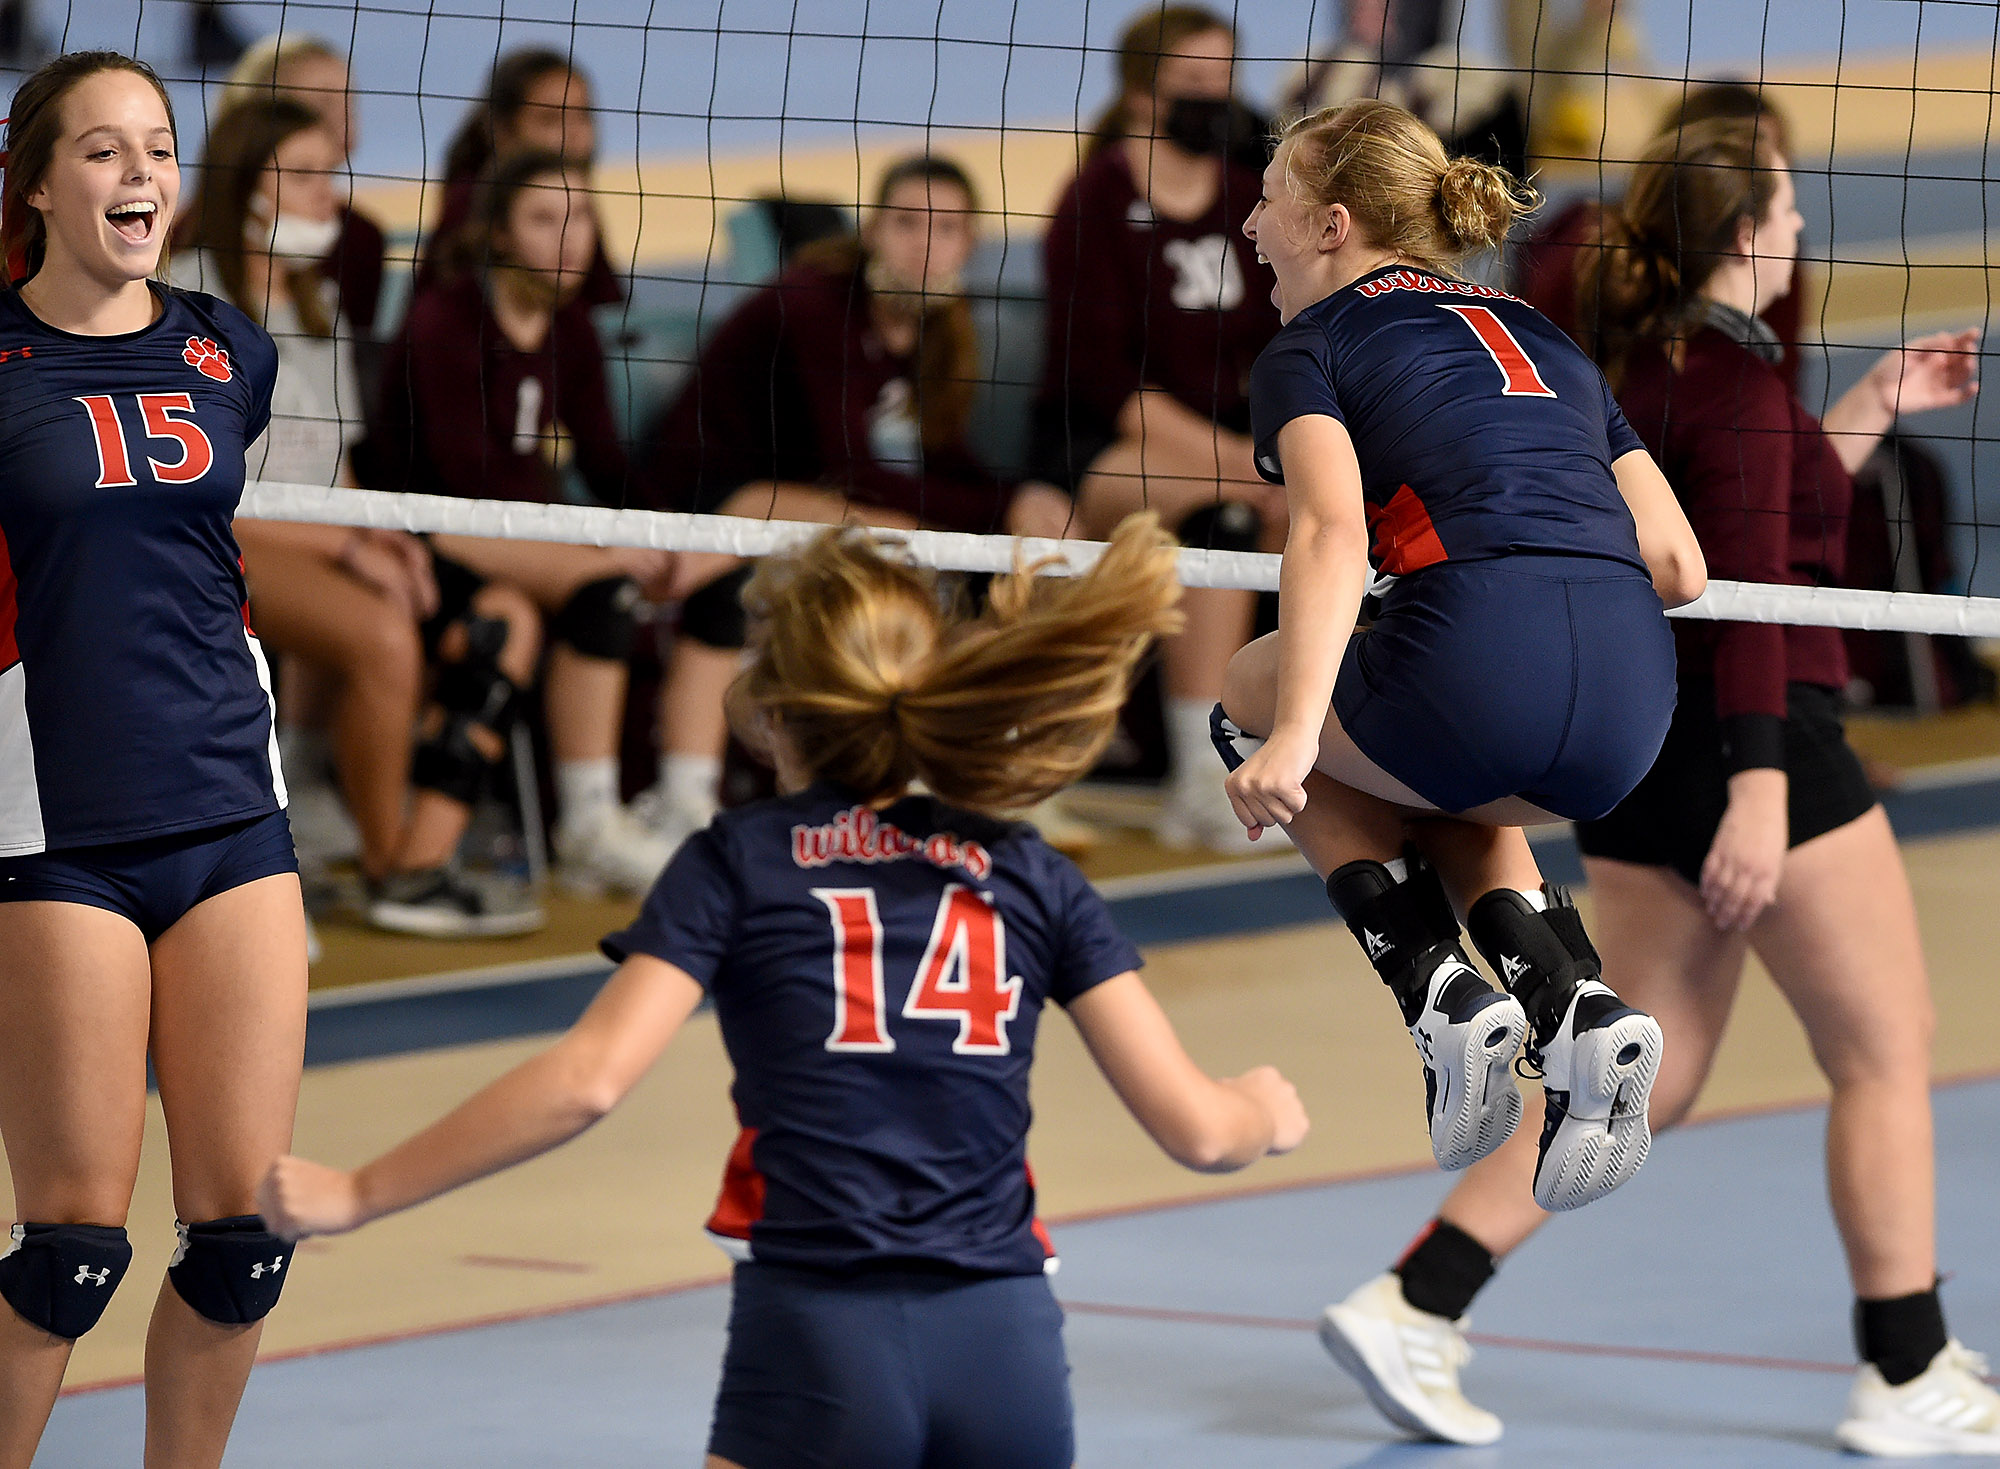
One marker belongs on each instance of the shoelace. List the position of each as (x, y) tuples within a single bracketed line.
[(1962, 1356)]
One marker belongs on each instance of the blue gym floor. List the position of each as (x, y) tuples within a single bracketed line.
[(1698, 1315)]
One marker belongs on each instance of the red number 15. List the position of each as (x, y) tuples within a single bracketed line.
[(156, 411)]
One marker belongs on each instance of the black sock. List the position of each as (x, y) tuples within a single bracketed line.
[(1900, 1336), (1444, 1270)]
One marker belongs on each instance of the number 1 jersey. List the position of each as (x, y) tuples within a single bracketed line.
[(879, 977), (134, 701)]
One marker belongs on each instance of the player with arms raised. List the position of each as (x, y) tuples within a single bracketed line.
[(879, 962), (149, 896), (1520, 669)]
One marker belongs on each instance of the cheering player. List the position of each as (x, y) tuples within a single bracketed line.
[(1520, 669), (148, 890), (879, 962)]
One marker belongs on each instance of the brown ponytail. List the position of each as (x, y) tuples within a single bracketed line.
[(875, 686), (1404, 193), (1689, 193)]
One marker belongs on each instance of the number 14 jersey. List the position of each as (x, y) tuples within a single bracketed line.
[(879, 977), (133, 700)]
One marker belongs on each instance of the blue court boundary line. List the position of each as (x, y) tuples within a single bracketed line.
[(364, 1022)]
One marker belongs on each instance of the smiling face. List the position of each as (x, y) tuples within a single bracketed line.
[(1291, 236), (922, 236), (113, 181)]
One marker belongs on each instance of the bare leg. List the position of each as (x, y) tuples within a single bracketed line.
[(1841, 941), (307, 606), (229, 1016), (73, 1015)]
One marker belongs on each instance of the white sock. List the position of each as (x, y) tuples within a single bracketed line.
[(690, 783), (1190, 752), (305, 753), (1538, 900), (1398, 868), (584, 788)]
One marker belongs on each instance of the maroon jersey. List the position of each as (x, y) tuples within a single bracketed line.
[(355, 266), (1138, 300), (466, 412), (1768, 499), (798, 386)]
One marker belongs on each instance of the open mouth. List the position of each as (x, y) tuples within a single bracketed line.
[(134, 220)]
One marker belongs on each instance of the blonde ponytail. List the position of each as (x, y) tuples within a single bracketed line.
[(875, 685)]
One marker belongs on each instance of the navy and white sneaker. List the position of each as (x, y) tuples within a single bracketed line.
[(1467, 1033), (1597, 1074)]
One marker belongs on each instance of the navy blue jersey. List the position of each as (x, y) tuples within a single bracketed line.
[(1480, 428), (134, 701), (878, 978)]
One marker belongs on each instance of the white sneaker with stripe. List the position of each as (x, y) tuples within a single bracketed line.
[(1407, 1362), (1949, 1409)]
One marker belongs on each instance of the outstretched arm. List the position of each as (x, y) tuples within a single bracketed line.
[(539, 1105), (1937, 371), (1208, 1125)]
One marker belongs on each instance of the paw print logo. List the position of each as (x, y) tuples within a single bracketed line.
[(209, 359)]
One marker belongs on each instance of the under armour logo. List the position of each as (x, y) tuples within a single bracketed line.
[(260, 1269), (1511, 969), (86, 1276), (1374, 943)]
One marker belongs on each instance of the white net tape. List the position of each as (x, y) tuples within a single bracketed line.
[(1724, 601)]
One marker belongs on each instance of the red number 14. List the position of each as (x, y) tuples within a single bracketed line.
[(962, 977)]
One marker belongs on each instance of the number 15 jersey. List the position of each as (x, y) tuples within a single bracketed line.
[(134, 701), (879, 977)]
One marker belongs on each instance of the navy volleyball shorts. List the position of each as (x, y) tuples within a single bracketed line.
[(892, 1369), (154, 881), (1545, 677)]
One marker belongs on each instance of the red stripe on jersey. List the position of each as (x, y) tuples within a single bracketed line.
[(741, 1203), (244, 572), (1405, 539), (1035, 1220), (10, 651)]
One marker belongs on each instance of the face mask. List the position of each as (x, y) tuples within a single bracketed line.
[(290, 236), (1199, 125)]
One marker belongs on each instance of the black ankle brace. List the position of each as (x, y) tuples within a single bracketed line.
[(1900, 1336), (1541, 957), (1444, 1269), (1406, 928)]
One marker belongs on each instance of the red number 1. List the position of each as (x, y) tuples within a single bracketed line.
[(1519, 375)]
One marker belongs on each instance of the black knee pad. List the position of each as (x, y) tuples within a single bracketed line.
[(230, 1270), (60, 1276), (1229, 525), (714, 617), (600, 620), (1540, 956), (474, 694)]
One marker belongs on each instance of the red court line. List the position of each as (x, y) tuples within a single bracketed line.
[(516, 1262), (1515, 1343), (1085, 1216)]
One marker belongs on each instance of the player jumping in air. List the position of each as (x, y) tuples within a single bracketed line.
[(1520, 669)]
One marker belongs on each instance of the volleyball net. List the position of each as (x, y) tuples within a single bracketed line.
[(725, 134)]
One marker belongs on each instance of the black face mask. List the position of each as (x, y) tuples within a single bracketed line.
[(1202, 126)]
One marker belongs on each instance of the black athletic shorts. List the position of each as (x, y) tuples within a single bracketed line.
[(1671, 817)]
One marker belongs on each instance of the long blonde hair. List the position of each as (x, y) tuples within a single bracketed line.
[(1403, 191), (874, 684)]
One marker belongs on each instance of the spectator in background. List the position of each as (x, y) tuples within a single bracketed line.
[(494, 388), (1565, 48), (843, 390), (1408, 52), (308, 70), (351, 608), (1546, 268), (1157, 308), (534, 100)]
